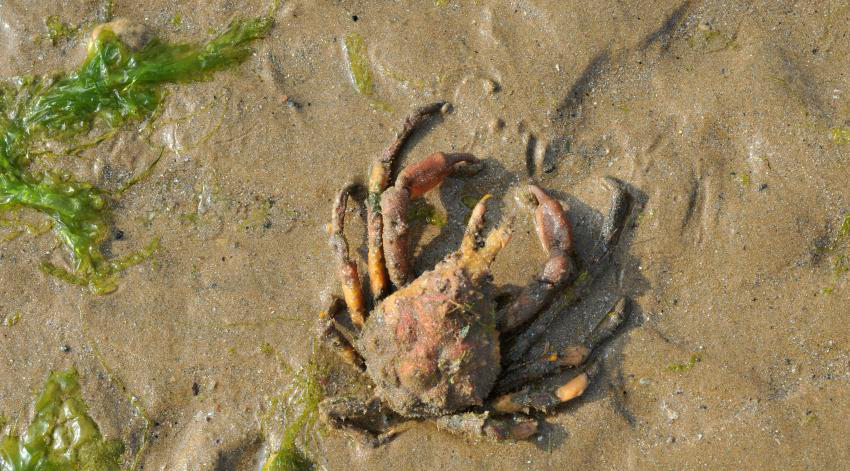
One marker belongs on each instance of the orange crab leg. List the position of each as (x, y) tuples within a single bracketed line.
[(378, 181), (412, 182), (347, 268)]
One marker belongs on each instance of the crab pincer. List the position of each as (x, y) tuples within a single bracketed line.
[(556, 236)]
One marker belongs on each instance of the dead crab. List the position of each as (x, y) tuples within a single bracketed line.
[(439, 346)]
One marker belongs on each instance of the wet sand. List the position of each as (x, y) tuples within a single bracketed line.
[(718, 114)]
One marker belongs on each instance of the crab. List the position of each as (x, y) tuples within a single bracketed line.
[(439, 346)]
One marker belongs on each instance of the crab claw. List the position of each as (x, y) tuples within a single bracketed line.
[(553, 228), (476, 251), (556, 237)]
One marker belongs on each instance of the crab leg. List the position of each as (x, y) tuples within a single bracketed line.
[(555, 234), (477, 425), (371, 423), (612, 226), (412, 182), (546, 398), (335, 336), (614, 221), (347, 268), (570, 357), (378, 180)]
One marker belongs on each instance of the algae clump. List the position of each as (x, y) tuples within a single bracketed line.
[(61, 436), (421, 210), (840, 136), (356, 52), (57, 30), (114, 85), (301, 410), (358, 63), (682, 367)]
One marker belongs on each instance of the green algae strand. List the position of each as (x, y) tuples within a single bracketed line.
[(302, 411)]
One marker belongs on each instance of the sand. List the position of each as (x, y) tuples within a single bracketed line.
[(720, 115)]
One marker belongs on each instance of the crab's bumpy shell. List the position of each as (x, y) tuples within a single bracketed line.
[(432, 347)]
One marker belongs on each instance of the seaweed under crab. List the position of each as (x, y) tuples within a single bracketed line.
[(439, 347)]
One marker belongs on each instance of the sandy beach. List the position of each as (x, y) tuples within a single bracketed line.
[(728, 120)]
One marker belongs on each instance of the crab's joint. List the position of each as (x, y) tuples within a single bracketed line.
[(412, 182), (352, 291), (337, 337), (370, 423), (379, 282), (340, 344), (510, 428), (573, 356), (555, 235), (410, 124)]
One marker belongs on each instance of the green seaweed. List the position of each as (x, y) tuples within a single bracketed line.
[(743, 178), (644, 217), (258, 216), (810, 418), (682, 367), (301, 402), (61, 436), (469, 201), (112, 87), (11, 319), (839, 254), (582, 277), (58, 30), (266, 349), (421, 210), (840, 136), (358, 63), (844, 231), (357, 56)]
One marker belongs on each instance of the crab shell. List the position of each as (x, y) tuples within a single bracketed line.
[(432, 347)]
